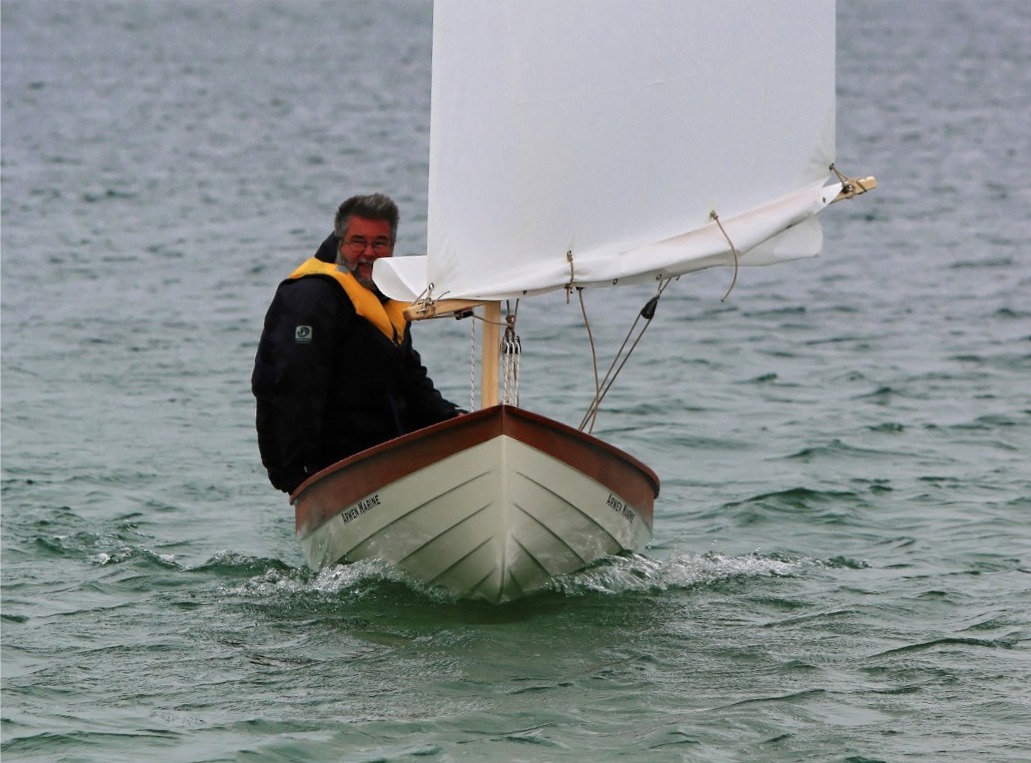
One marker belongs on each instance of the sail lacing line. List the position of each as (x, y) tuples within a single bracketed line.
[(716, 218), (602, 387), (572, 277)]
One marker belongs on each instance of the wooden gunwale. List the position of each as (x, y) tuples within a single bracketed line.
[(339, 486)]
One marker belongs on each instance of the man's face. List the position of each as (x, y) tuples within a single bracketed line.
[(365, 242)]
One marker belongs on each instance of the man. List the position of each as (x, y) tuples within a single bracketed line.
[(335, 371)]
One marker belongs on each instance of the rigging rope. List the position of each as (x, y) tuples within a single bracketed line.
[(473, 405), (620, 360), (715, 217), (472, 366), (594, 353), (511, 351), (849, 184)]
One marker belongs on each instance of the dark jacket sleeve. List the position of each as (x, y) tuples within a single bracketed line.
[(424, 403), (292, 378)]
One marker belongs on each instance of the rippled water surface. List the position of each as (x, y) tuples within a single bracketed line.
[(842, 554)]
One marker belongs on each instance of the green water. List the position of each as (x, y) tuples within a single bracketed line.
[(840, 568)]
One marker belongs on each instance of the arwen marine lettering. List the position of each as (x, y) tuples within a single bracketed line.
[(364, 505), (620, 508)]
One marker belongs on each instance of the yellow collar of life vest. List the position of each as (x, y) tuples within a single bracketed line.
[(387, 316)]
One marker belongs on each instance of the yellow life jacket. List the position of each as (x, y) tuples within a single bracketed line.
[(387, 316)]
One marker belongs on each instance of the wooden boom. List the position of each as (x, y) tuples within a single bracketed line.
[(424, 310), (852, 187)]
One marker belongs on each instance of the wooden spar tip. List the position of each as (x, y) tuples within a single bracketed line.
[(852, 187), (441, 308)]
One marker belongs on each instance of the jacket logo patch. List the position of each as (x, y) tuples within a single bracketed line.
[(302, 335)]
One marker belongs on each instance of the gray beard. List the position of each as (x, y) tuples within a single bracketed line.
[(353, 271)]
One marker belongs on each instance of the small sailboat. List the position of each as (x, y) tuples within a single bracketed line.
[(576, 146)]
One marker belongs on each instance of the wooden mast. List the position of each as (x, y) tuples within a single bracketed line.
[(490, 353)]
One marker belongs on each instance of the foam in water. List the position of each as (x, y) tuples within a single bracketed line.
[(634, 573)]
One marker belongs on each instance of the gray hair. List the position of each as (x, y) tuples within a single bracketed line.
[(374, 206)]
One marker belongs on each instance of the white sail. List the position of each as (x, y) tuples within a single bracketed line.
[(610, 130)]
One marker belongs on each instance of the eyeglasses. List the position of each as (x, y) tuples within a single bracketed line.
[(359, 245)]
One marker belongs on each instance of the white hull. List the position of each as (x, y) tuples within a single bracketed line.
[(491, 505)]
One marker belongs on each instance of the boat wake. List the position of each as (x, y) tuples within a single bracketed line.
[(617, 575), (641, 574)]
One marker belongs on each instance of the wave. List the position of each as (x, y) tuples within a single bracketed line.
[(612, 576), (641, 574)]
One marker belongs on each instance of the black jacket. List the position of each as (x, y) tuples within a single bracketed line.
[(327, 251), (329, 384)]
